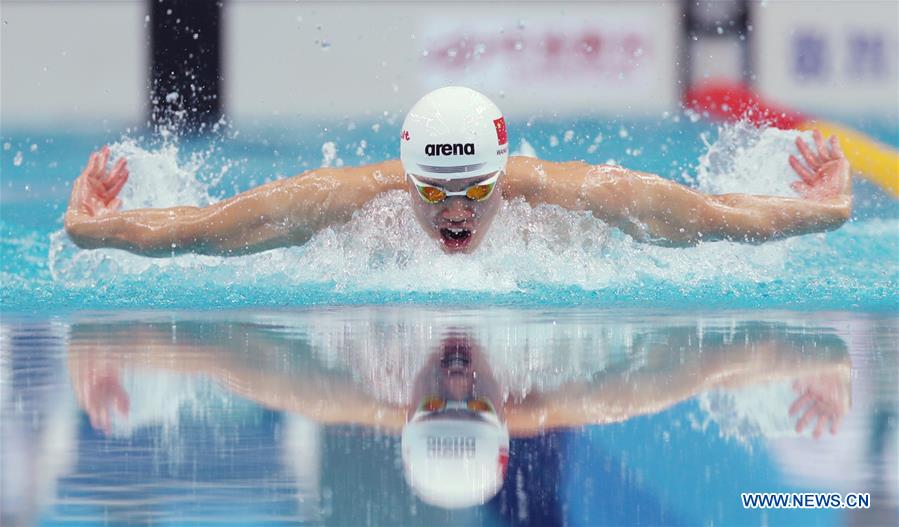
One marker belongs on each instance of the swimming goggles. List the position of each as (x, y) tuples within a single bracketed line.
[(433, 406), (477, 405), (478, 192)]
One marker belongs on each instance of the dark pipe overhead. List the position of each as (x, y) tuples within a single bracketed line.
[(185, 76)]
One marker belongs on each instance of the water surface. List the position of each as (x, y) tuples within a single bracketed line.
[(271, 417)]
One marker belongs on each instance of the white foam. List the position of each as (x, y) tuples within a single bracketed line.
[(749, 160), (745, 414), (384, 248)]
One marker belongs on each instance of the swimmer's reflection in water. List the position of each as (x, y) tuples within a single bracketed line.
[(456, 423)]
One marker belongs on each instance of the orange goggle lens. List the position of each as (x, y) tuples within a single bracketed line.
[(432, 194), (436, 404), (432, 404), (479, 192)]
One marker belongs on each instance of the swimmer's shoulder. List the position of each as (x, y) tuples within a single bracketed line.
[(528, 176), (373, 178)]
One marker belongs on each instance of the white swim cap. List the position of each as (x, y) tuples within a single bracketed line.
[(454, 133), (453, 463)]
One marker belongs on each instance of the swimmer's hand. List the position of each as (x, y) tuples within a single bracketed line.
[(96, 190), (95, 193), (823, 399), (98, 389), (825, 175)]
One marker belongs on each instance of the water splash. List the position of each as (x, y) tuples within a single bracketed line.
[(383, 248), (750, 413), (749, 160)]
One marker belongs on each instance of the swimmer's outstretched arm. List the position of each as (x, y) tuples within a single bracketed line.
[(619, 396), (656, 210), (278, 214), (306, 387)]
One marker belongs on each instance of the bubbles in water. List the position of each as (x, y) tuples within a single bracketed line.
[(18, 158), (525, 150), (329, 153)]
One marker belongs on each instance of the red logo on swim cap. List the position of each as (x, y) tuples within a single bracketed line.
[(500, 129), (405, 135)]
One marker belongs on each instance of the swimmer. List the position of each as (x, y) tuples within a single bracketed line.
[(454, 164)]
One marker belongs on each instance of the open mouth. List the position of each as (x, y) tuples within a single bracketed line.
[(455, 238), (455, 360)]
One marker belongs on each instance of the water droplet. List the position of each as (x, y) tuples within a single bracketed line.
[(17, 160), (196, 36)]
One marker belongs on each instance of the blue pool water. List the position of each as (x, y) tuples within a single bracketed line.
[(249, 417), (534, 257), (201, 390)]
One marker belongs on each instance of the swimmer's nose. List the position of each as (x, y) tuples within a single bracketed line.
[(457, 209)]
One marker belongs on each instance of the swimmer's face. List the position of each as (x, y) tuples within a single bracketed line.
[(457, 223), (456, 372)]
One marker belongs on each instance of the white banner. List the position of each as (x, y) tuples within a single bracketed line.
[(829, 57), (364, 59)]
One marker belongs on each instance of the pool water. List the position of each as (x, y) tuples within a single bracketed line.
[(247, 417), (532, 256), (258, 390)]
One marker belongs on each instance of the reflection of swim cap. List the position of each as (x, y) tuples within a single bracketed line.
[(453, 463), (454, 133)]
